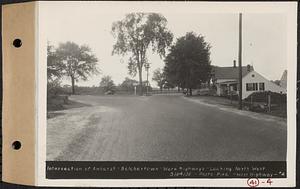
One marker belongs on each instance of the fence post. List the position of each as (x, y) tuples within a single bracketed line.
[(269, 102)]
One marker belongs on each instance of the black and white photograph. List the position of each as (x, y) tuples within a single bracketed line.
[(166, 85)]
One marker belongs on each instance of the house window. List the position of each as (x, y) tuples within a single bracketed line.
[(235, 87), (251, 87), (255, 86), (261, 86)]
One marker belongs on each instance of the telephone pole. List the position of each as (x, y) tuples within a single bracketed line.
[(240, 62)]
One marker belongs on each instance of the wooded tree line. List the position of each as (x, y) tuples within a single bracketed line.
[(187, 61), (106, 86), (128, 86)]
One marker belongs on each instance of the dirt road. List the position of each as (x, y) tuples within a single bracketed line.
[(167, 128)]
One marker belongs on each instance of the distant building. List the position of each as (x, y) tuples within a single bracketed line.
[(283, 80), (225, 80)]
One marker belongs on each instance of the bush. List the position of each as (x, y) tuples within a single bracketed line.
[(56, 102), (276, 98), (234, 97), (53, 88)]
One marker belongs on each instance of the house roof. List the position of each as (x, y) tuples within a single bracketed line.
[(283, 80), (284, 76), (229, 72)]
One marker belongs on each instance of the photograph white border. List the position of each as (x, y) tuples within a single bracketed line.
[(288, 8)]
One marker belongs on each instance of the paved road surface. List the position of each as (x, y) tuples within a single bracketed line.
[(167, 128)]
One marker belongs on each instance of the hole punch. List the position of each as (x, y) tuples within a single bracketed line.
[(16, 145), (17, 43)]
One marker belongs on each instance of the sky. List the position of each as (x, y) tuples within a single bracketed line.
[(264, 36)]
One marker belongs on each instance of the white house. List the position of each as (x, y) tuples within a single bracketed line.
[(225, 80), (254, 82)]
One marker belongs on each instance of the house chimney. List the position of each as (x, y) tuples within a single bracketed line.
[(234, 63), (248, 68)]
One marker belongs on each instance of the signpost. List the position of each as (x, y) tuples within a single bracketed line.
[(147, 66), (135, 84)]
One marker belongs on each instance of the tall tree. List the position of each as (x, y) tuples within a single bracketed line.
[(188, 63), (135, 33), (54, 66), (159, 77), (79, 61), (54, 71), (128, 84), (107, 84)]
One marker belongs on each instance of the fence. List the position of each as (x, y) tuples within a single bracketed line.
[(267, 101), (167, 92)]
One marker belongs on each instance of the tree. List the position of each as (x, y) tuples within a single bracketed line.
[(128, 84), (54, 66), (159, 77), (188, 63), (54, 71), (79, 61), (107, 84), (135, 33), (168, 85)]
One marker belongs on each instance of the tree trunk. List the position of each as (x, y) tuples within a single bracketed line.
[(191, 92), (73, 85), (140, 81), (160, 88)]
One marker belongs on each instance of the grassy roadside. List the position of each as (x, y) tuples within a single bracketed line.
[(57, 103), (275, 111)]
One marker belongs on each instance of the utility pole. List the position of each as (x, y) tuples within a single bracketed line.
[(240, 62)]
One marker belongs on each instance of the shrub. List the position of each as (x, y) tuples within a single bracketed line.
[(53, 88), (276, 98)]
